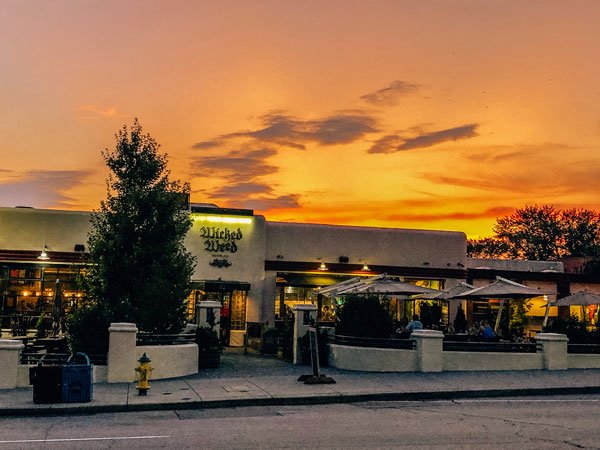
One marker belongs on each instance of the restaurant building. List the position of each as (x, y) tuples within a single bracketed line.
[(256, 269)]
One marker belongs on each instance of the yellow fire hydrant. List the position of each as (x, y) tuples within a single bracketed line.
[(144, 370)]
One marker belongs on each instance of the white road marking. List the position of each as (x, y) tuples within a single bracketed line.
[(109, 438), (522, 400)]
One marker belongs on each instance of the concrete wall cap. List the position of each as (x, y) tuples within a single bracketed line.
[(8, 344), (428, 334), (551, 337), (123, 327), (209, 304), (304, 307)]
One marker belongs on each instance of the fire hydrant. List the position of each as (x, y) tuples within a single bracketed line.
[(144, 370)]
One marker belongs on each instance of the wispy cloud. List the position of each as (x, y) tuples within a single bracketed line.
[(40, 188), (396, 143), (390, 95), (246, 167), (97, 110)]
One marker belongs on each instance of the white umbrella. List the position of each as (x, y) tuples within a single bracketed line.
[(581, 298), (502, 289), (454, 292), (334, 289), (385, 286)]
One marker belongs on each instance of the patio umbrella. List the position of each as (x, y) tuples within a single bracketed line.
[(334, 289), (502, 289), (581, 298), (384, 286), (454, 292), (57, 310)]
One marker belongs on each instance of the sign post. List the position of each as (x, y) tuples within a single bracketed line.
[(316, 377)]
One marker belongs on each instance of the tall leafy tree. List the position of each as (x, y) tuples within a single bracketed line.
[(581, 231), (541, 233), (533, 232), (140, 268)]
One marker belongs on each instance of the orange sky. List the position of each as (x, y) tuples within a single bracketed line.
[(438, 114)]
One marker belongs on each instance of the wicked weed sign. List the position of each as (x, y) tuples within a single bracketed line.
[(220, 239)]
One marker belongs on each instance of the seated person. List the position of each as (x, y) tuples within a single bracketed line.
[(326, 314), (414, 324), (486, 331)]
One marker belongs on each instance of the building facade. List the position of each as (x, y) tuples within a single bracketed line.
[(257, 269)]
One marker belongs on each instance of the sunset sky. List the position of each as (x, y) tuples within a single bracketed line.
[(430, 114)]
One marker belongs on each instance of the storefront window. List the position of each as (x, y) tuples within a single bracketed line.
[(28, 289)]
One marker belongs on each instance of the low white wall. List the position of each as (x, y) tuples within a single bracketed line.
[(170, 361), (583, 361), (372, 359), (461, 361)]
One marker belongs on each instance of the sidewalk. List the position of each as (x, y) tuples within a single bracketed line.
[(253, 380)]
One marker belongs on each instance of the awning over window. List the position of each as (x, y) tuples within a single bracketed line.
[(220, 285)]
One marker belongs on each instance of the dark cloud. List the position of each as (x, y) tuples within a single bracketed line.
[(241, 190), (244, 165), (288, 131), (386, 144), (393, 143), (207, 144), (269, 203), (437, 137), (40, 188), (390, 95)]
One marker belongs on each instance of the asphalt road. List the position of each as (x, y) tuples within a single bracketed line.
[(519, 423)]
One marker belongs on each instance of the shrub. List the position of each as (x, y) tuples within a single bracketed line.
[(460, 321), (87, 330), (208, 341), (364, 316)]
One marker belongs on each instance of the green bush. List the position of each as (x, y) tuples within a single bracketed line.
[(208, 341), (87, 330), (364, 316)]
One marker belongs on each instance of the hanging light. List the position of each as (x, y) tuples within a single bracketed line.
[(323, 266), (44, 256), (365, 268)]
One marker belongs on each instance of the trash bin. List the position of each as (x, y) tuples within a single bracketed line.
[(46, 382), (77, 384)]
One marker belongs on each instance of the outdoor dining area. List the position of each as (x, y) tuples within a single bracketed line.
[(445, 310)]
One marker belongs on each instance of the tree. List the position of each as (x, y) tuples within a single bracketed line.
[(582, 232), (541, 233), (140, 269)]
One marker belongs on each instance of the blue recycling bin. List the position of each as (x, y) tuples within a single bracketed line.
[(76, 386)]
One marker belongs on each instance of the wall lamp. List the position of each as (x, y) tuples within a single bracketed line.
[(44, 256), (322, 266), (365, 267)]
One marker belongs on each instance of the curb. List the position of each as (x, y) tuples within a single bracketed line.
[(291, 401)]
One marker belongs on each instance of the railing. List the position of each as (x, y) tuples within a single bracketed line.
[(372, 342), (165, 339), (593, 349), (503, 347), (57, 359)]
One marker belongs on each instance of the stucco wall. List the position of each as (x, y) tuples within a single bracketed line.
[(372, 359), (30, 229), (170, 361), (382, 246), (577, 361), (460, 361)]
